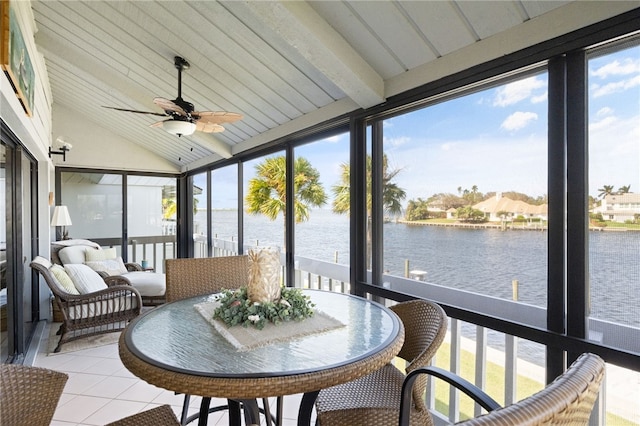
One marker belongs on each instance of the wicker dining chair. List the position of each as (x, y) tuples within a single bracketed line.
[(375, 399), (194, 277), (568, 400), (159, 416), (29, 395)]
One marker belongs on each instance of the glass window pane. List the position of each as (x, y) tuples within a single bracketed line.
[(614, 185), (473, 172), (264, 201), (94, 201), (3, 225), (322, 201), (200, 214), (151, 220), (224, 202)]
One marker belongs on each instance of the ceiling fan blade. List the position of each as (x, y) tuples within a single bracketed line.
[(159, 114), (169, 106), (157, 124), (216, 117), (208, 127)]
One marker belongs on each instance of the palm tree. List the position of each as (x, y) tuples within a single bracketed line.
[(392, 195), (624, 189), (605, 190), (267, 190)]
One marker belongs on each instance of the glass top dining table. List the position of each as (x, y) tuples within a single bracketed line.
[(174, 347)]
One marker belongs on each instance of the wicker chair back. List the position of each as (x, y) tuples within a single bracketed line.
[(159, 416), (194, 277), (29, 395), (568, 400)]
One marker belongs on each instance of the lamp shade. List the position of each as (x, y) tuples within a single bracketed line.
[(60, 216), (179, 127)]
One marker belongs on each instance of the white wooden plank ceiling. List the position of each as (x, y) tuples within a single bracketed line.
[(277, 63)]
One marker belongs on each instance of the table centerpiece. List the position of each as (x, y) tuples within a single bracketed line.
[(264, 299)]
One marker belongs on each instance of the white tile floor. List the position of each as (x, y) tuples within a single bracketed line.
[(100, 390)]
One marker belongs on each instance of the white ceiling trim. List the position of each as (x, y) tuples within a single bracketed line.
[(299, 25), (553, 24)]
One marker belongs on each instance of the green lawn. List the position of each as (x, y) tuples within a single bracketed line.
[(618, 225)]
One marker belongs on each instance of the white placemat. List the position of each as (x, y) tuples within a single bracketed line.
[(247, 338)]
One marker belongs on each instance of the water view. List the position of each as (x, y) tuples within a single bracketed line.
[(485, 261)]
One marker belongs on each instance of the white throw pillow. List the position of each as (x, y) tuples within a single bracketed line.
[(110, 266), (92, 255), (72, 254), (64, 280), (85, 279)]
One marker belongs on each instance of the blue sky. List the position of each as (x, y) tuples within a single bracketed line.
[(496, 139)]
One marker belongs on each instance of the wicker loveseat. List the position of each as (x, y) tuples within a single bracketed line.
[(151, 285), (103, 311)]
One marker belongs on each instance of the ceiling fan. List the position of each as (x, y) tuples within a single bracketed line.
[(183, 120)]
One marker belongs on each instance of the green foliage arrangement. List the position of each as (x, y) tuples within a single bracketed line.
[(236, 308)]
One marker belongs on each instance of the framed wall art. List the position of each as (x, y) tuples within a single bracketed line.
[(14, 57)]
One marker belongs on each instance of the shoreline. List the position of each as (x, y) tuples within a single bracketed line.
[(510, 227)]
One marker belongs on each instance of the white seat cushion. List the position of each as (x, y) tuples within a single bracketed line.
[(105, 307), (149, 284)]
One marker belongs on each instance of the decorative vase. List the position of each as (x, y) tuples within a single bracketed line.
[(264, 275)]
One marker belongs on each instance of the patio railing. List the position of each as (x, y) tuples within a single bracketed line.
[(496, 357)]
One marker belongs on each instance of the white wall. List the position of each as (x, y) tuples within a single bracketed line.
[(34, 132), (97, 147)]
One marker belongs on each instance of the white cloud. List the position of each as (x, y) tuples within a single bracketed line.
[(604, 112), (517, 91), (397, 141), (518, 120), (626, 67), (540, 98), (602, 124), (334, 139), (618, 86), (447, 146)]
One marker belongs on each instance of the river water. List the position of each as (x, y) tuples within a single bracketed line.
[(485, 261)]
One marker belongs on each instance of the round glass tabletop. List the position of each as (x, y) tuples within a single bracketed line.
[(177, 338)]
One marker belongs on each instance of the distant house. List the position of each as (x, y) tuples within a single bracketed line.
[(514, 208), (619, 207)]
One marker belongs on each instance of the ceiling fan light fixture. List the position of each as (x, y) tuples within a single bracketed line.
[(179, 127)]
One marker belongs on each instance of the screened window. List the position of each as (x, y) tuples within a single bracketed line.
[(224, 204), (322, 197), (264, 201), (200, 215), (465, 192), (614, 183)]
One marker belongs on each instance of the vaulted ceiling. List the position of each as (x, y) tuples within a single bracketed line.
[(283, 65)]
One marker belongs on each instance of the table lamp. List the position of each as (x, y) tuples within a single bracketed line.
[(61, 218)]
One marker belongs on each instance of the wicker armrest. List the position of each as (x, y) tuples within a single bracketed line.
[(131, 267), (474, 392), (112, 280), (112, 292)]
